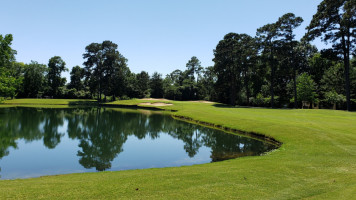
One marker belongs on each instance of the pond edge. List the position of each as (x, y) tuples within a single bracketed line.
[(253, 135)]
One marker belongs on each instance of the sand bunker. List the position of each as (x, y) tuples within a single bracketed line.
[(202, 101), (155, 99), (155, 104)]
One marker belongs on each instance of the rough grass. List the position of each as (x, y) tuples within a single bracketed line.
[(316, 161)]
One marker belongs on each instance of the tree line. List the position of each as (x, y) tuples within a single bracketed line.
[(270, 69)]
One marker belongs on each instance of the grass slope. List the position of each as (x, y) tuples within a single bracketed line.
[(316, 161)]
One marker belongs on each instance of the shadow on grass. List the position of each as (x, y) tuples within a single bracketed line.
[(220, 105), (83, 103)]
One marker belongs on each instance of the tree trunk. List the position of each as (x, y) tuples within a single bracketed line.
[(347, 79), (247, 89), (232, 90), (295, 88), (272, 84), (347, 86), (273, 74), (294, 77), (346, 54)]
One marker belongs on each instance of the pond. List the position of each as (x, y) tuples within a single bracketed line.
[(48, 141)]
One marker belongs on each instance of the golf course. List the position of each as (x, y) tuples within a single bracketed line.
[(316, 159)]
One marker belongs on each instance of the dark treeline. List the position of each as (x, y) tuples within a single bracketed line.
[(270, 69)]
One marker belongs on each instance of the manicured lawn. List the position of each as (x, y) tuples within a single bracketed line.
[(317, 160)]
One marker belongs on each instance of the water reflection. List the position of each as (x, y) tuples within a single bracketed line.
[(102, 132)]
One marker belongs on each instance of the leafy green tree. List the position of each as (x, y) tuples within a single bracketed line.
[(334, 98), (131, 86), (286, 24), (16, 71), (156, 85), (206, 84), (188, 89), (169, 88), (143, 80), (333, 79), (172, 85), (226, 68), (248, 58), (187, 80), (318, 65), (353, 79), (335, 22), (234, 57), (34, 81), (55, 68), (7, 54), (8, 84), (106, 69), (267, 37), (76, 77), (306, 88), (194, 67)]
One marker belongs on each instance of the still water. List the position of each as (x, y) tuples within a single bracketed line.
[(47, 141)]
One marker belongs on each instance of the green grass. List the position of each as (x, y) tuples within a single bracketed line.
[(316, 161)]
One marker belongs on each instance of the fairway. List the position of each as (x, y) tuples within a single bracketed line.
[(317, 160)]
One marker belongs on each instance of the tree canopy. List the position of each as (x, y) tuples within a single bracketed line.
[(270, 69), (335, 22)]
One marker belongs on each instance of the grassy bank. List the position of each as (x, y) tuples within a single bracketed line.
[(317, 160)]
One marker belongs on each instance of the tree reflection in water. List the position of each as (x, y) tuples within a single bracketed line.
[(103, 131)]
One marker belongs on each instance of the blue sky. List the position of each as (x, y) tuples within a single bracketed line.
[(154, 35)]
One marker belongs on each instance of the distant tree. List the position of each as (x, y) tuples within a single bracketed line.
[(334, 98), (248, 58), (34, 80), (156, 85), (318, 65), (172, 85), (335, 21), (55, 68), (194, 67), (227, 68), (9, 83), (169, 88), (131, 86), (234, 57), (306, 88), (177, 77), (76, 77), (286, 24), (353, 78), (206, 84), (143, 80), (333, 80), (105, 69), (267, 37), (17, 71), (188, 79), (7, 54)]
